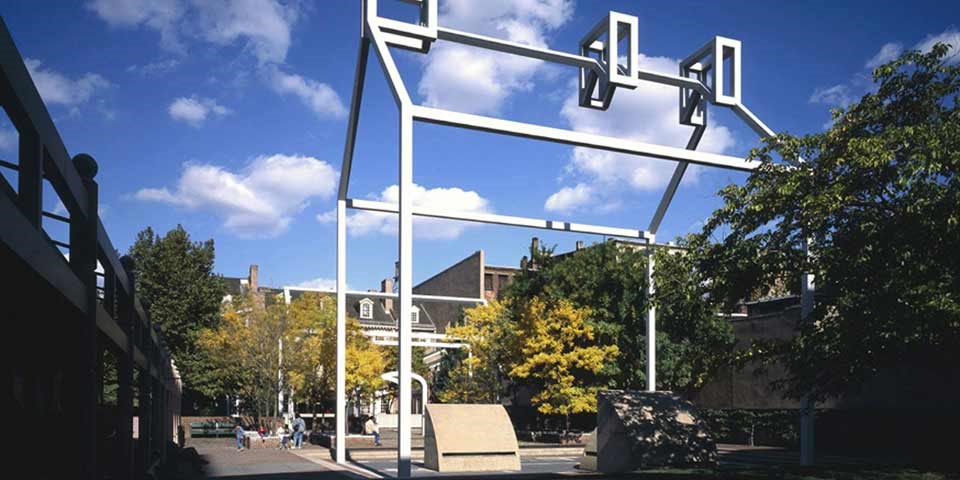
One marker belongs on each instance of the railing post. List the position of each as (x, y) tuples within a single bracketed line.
[(126, 315), (30, 177), (146, 390), (83, 259)]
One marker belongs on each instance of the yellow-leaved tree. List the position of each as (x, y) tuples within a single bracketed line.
[(366, 362), (310, 349), (556, 349), (475, 376), (244, 351)]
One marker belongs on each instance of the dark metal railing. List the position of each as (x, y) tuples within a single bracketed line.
[(108, 316)]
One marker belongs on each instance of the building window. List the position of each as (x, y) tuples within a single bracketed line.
[(366, 309), (415, 315), (488, 282), (502, 281)]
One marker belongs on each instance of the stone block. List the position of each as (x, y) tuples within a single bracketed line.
[(650, 430), (469, 438)]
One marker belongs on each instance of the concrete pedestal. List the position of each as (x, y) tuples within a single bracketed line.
[(469, 438)]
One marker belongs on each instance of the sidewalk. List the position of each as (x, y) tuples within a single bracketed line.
[(225, 461)]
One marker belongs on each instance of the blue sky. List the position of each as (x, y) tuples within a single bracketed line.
[(229, 117)]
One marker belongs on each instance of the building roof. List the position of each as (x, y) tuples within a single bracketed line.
[(382, 318), (233, 285)]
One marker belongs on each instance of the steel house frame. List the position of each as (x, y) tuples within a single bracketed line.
[(702, 80)]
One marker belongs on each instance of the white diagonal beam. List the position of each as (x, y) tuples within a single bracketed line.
[(499, 219), (674, 182), (354, 120)]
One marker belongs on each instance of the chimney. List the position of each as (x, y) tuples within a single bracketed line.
[(386, 286), (535, 244), (254, 273), (579, 244)]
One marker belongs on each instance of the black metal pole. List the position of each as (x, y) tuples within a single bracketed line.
[(83, 259), (127, 314)]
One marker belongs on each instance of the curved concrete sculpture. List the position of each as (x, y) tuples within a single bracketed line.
[(469, 438), (648, 430)]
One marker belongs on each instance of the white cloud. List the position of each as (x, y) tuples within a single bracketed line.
[(647, 114), (195, 110), (568, 199), (57, 89), (886, 54), (154, 68), (472, 80), (950, 37), (365, 222), (837, 95), (259, 201), (320, 283), (262, 26), (319, 97), (861, 83)]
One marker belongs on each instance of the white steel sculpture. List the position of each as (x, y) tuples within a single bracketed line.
[(703, 79)]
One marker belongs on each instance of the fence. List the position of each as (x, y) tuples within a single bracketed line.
[(71, 312)]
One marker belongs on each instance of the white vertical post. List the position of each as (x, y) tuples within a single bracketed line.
[(807, 413), (405, 292), (341, 412), (651, 322)]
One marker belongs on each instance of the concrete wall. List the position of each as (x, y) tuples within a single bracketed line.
[(463, 279), (742, 389)]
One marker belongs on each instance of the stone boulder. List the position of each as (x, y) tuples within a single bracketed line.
[(650, 430)]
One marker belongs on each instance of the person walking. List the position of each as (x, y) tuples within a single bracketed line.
[(299, 426), (373, 427), (284, 437), (238, 430)]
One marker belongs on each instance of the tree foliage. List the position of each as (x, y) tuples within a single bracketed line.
[(310, 354), (176, 283), (879, 197), (245, 349), (244, 352), (366, 362), (477, 377), (610, 279), (555, 346)]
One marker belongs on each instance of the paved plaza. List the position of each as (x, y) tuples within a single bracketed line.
[(314, 463)]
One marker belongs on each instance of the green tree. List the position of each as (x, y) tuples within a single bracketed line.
[(610, 279), (879, 196), (693, 342), (175, 280), (555, 347)]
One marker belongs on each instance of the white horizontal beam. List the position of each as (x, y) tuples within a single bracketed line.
[(580, 139), (505, 46), (564, 58), (427, 298), (414, 335), (416, 343), (495, 219)]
